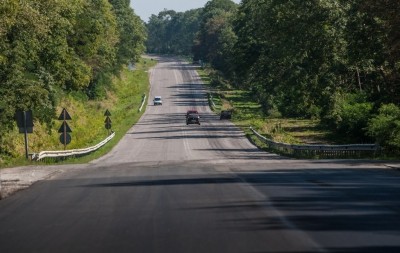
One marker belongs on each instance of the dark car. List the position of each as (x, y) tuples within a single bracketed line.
[(192, 112), (192, 118), (225, 114)]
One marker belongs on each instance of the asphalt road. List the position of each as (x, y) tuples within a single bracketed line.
[(169, 187)]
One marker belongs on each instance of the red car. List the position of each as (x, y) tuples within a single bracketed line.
[(192, 112), (192, 117)]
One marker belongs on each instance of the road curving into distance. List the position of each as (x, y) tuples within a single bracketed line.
[(169, 187)]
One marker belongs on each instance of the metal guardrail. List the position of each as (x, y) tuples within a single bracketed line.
[(210, 98), (143, 100), (324, 151), (73, 152)]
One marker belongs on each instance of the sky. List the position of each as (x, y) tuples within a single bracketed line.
[(145, 8)]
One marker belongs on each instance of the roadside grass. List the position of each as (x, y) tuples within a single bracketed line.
[(205, 78), (247, 112), (122, 99)]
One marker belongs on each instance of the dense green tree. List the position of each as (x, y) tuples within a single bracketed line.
[(290, 51), (172, 32), (215, 39), (374, 51), (184, 26), (207, 32), (96, 35), (25, 81), (52, 45), (132, 33), (158, 27)]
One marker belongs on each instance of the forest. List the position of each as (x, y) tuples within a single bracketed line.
[(333, 60), (50, 48)]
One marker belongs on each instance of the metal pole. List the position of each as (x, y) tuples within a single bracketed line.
[(1, 194), (26, 137), (65, 131)]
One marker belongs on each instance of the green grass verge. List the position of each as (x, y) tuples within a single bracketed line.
[(123, 100), (248, 112)]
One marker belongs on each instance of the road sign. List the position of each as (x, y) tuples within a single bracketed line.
[(107, 113), (64, 128), (64, 115), (108, 120), (65, 138), (24, 121), (25, 126)]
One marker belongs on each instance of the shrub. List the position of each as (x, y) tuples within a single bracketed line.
[(350, 115), (385, 126), (354, 118)]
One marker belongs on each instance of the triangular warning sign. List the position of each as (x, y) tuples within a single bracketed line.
[(108, 120), (64, 115), (107, 113), (65, 127)]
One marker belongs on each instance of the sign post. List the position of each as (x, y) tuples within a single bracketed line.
[(65, 137), (107, 122), (25, 125)]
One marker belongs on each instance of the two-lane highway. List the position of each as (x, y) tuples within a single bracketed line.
[(169, 187), (162, 133)]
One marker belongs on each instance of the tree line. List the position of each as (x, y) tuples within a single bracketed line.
[(53, 46), (334, 60)]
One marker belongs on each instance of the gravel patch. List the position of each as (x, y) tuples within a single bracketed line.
[(19, 178)]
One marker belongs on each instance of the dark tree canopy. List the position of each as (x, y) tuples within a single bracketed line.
[(171, 32)]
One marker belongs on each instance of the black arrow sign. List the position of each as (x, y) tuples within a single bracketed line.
[(64, 115), (66, 127), (108, 120), (107, 113)]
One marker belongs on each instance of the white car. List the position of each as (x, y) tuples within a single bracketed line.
[(157, 100)]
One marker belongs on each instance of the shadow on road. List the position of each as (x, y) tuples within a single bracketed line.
[(354, 207)]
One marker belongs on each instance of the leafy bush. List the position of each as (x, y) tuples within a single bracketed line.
[(385, 127), (350, 115), (217, 79)]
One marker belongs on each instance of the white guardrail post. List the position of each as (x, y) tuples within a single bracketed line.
[(73, 152)]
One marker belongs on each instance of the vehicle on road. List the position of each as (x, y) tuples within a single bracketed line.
[(192, 117), (226, 114), (157, 100), (192, 112)]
